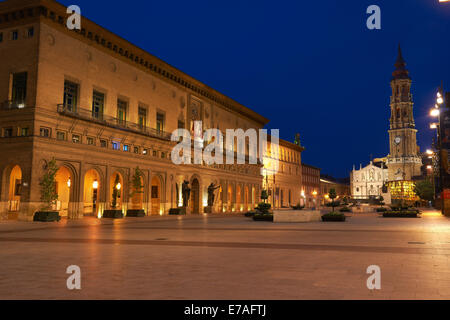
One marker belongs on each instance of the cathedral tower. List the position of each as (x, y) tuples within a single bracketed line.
[(403, 161)]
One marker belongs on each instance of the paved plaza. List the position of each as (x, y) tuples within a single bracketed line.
[(223, 257)]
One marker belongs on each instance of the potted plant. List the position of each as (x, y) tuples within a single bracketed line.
[(264, 195), (333, 195), (48, 194), (114, 213), (298, 207), (262, 212), (137, 189)]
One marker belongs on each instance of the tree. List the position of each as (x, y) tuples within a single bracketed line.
[(116, 191), (381, 200), (264, 195), (136, 182), (424, 190), (333, 195), (48, 185)]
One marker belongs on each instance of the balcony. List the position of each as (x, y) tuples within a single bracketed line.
[(112, 122), (12, 105)]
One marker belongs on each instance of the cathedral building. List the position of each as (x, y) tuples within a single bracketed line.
[(396, 171)]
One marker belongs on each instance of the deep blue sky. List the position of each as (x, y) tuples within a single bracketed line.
[(310, 66)]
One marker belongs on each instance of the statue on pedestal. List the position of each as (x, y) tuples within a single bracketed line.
[(211, 195), (186, 191)]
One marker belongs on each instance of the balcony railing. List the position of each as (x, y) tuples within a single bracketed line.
[(100, 118), (10, 105)]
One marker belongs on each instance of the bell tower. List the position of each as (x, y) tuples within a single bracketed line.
[(404, 161)]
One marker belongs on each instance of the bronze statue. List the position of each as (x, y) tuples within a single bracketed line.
[(211, 190), (186, 191)]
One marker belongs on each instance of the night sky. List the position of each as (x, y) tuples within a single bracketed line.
[(310, 66)]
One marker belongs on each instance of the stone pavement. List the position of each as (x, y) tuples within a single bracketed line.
[(218, 257)]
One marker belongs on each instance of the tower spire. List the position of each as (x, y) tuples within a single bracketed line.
[(400, 66)]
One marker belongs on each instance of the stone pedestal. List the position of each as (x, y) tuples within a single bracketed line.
[(208, 209)]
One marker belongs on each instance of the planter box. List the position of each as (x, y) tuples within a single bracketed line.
[(263, 217), (113, 214), (400, 215), (47, 216), (333, 218), (177, 211), (296, 216), (136, 213)]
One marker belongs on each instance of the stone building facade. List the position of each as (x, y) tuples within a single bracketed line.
[(310, 186), (368, 182), (102, 107)]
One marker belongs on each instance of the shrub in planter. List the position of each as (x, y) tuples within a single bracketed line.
[(298, 207), (264, 207), (113, 214), (263, 217), (136, 213), (250, 214), (401, 214), (336, 217), (381, 209), (177, 211), (48, 194), (345, 209)]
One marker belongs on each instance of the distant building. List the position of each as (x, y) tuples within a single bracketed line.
[(310, 186), (327, 183), (368, 182)]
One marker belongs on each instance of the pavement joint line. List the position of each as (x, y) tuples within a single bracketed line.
[(239, 245)]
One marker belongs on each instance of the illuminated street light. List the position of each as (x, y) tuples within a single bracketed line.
[(430, 152), (433, 126), (95, 184), (118, 186), (434, 113), (429, 167), (69, 183)]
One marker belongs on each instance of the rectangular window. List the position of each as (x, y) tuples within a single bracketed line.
[(121, 112), (155, 153), (163, 155), (159, 122), (90, 141), (30, 32), (44, 132), (103, 143), (70, 96), (115, 145), (98, 104), (19, 89), (24, 132), (76, 138), (14, 34), (61, 136), (7, 132), (142, 117), (145, 152), (126, 148), (136, 150)]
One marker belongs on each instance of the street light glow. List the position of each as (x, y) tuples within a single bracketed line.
[(430, 152), (434, 112), (433, 126)]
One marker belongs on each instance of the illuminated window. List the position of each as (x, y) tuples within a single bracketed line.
[(7, 132), (126, 148), (90, 141), (44, 132), (115, 145), (24, 132), (76, 138), (61, 136), (19, 88), (145, 152)]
